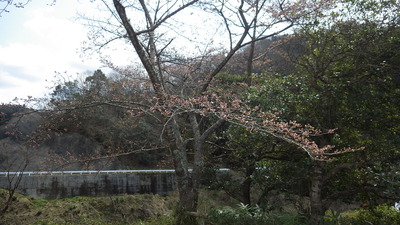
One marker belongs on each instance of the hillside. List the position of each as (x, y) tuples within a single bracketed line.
[(22, 140)]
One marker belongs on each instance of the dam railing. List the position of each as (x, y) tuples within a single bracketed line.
[(92, 172)]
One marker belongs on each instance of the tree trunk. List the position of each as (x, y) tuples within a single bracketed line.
[(246, 185), (188, 194), (188, 200), (189, 184), (188, 187), (316, 207), (12, 187), (249, 69)]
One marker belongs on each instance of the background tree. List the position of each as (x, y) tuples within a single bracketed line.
[(14, 165), (345, 75), (15, 144), (120, 131)]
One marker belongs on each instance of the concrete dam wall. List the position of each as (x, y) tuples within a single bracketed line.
[(66, 185)]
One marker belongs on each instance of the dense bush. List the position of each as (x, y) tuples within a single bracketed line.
[(380, 215), (246, 215)]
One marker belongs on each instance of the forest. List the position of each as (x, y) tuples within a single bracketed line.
[(299, 99)]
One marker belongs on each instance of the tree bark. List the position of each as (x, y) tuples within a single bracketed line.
[(246, 185), (188, 195), (316, 207), (188, 201), (133, 37), (250, 58)]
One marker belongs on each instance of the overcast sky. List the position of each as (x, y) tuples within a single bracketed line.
[(37, 41)]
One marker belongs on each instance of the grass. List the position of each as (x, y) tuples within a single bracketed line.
[(148, 209), (125, 209)]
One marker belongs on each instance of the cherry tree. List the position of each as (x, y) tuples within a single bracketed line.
[(175, 43)]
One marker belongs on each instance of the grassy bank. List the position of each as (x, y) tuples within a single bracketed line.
[(148, 209), (126, 209), (143, 209)]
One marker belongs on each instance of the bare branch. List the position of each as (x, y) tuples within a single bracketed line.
[(162, 20)]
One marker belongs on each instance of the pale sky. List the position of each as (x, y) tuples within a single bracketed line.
[(37, 41)]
